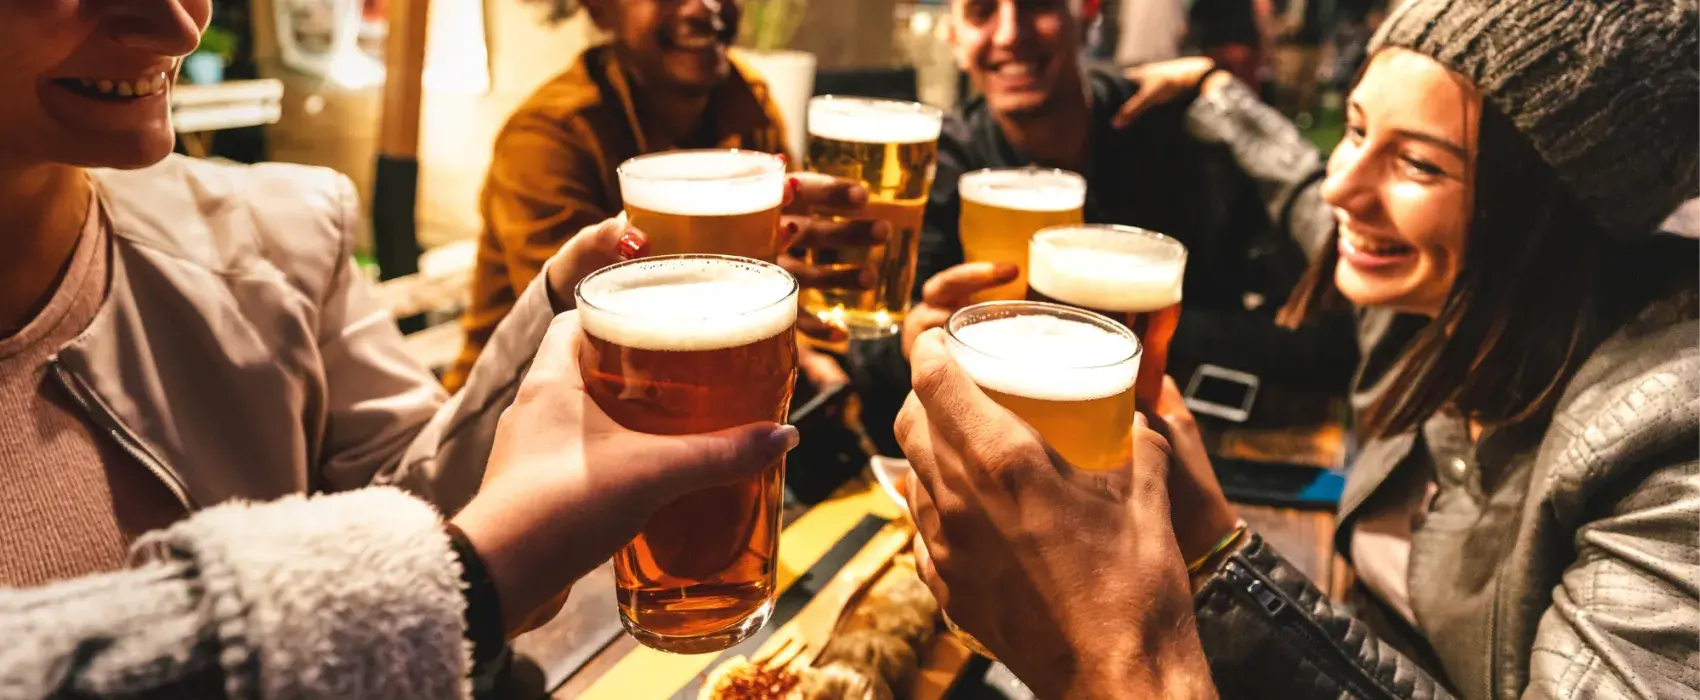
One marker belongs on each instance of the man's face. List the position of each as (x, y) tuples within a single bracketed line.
[(1016, 51), (671, 44)]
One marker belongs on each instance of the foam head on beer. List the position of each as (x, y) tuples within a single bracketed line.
[(1024, 189), (703, 183), (688, 303), (1107, 269), (863, 120), (1048, 358)]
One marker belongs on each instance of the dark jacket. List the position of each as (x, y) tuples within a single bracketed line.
[(1150, 175), (1558, 558)]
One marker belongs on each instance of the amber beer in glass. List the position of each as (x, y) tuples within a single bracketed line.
[(1068, 373), (891, 148), (1003, 207), (1129, 274), (688, 344), (706, 201)]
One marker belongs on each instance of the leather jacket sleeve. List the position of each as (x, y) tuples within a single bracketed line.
[(1267, 147), (1623, 618), (1269, 633)]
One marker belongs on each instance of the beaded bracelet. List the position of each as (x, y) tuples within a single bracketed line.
[(1227, 541)]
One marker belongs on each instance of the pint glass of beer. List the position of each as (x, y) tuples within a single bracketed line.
[(1002, 207), (687, 344), (1129, 274), (1068, 373), (892, 149), (706, 201)]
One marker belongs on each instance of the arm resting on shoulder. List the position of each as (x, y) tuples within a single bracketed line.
[(351, 595), (1271, 151)]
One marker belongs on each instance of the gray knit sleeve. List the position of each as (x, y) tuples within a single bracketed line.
[(1267, 147), (352, 595)]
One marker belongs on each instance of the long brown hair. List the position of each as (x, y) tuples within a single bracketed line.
[(1540, 286)]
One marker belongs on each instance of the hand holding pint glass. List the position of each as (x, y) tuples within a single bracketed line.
[(688, 344), (891, 149), (1003, 207), (1129, 274), (1067, 373)]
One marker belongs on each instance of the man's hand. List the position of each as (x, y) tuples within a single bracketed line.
[(566, 486), (949, 291), (1162, 82), (1202, 514), (1071, 578), (824, 215)]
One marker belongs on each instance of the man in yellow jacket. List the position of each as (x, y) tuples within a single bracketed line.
[(665, 81)]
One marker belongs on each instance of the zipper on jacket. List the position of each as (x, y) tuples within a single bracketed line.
[(1286, 612), (130, 444)]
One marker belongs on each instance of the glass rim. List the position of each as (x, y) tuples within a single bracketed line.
[(1029, 170), (907, 105), (791, 293), (1176, 250), (1050, 309), (778, 163)]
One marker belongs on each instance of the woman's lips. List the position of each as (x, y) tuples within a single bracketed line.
[(1370, 254)]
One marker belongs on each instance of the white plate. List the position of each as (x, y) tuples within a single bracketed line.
[(893, 475)]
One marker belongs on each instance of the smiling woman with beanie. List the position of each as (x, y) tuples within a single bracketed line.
[(1522, 515)]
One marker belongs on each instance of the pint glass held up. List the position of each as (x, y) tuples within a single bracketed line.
[(688, 344), (706, 201), (1003, 207), (1129, 274), (1068, 373), (891, 148)]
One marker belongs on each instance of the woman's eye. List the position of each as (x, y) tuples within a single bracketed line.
[(1424, 167)]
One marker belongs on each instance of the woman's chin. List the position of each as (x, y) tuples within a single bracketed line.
[(1403, 295), (1368, 290)]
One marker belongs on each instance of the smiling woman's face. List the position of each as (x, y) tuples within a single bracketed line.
[(87, 82), (1400, 181)]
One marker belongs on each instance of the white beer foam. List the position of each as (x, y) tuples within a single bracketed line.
[(872, 121), (1035, 190), (1106, 270), (703, 183), (1047, 358), (688, 304)]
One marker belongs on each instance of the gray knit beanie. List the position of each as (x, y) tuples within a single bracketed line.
[(1608, 91)]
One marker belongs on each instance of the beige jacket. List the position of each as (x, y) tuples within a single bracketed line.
[(240, 354)]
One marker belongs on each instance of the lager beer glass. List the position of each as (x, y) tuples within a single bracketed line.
[(1002, 207), (892, 149), (689, 344), (706, 201), (1129, 274), (1068, 373)]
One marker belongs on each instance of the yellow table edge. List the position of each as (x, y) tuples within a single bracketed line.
[(647, 673)]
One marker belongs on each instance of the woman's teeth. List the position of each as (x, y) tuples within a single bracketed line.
[(1370, 247), (127, 88)]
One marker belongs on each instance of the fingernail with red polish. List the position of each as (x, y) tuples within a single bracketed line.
[(791, 230), (631, 245), (791, 185)]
